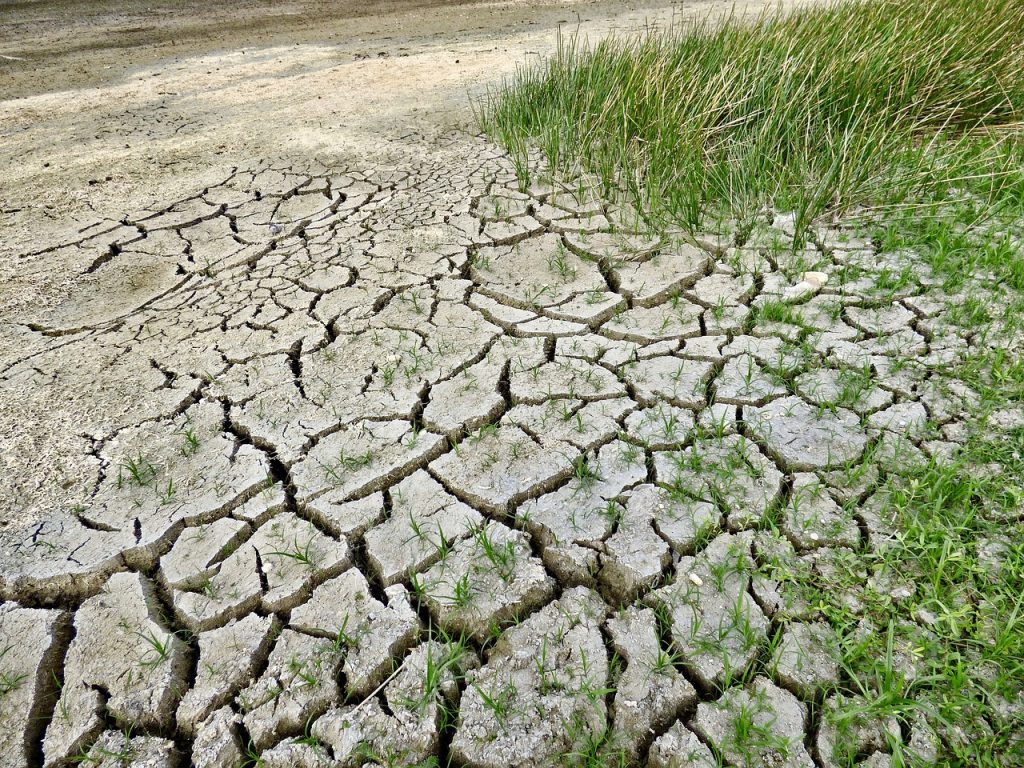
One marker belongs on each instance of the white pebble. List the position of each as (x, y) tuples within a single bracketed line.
[(814, 279)]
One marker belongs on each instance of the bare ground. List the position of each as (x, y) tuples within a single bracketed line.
[(324, 444)]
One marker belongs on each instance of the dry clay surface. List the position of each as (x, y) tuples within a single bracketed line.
[(406, 462), (325, 465)]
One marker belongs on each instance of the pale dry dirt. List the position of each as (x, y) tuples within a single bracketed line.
[(116, 106), (326, 444), (115, 110)]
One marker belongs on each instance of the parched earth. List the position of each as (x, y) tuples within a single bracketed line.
[(387, 463), (408, 462)]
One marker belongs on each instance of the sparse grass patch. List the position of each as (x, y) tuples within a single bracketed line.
[(938, 636), (902, 121), (11, 681), (952, 650)]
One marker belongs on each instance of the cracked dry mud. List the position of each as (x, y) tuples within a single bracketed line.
[(374, 464)]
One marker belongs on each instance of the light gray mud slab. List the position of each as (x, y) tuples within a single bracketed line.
[(651, 693), (124, 663), (31, 641), (118, 749), (396, 462), (805, 438), (299, 683), (715, 623), (485, 581), (371, 632), (228, 659), (403, 726), (680, 748), (541, 675), (756, 725)]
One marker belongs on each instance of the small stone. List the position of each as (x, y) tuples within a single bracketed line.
[(816, 279)]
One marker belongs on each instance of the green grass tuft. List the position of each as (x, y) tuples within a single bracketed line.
[(873, 103)]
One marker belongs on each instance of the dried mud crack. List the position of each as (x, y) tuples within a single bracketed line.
[(406, 463)]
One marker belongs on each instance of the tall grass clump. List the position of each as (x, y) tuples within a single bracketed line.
[(869, 103)]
